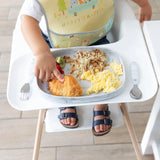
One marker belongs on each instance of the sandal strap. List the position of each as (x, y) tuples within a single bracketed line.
[(106, 121), (62, 116), (98, 113), (63, 108), (67, 115)]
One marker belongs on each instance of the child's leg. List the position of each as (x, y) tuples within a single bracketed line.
[(102, 122), (70, 120), (102, 107), (68, 117)]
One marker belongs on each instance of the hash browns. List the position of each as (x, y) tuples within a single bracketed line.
[(94, 60)]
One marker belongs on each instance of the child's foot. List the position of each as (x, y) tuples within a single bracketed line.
[(68, 117), (102, 123)]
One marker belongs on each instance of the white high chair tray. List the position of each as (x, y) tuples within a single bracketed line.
[(127, 48), (112, 57)]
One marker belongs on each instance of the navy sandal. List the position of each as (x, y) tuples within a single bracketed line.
[(68, 115), (106, 121)]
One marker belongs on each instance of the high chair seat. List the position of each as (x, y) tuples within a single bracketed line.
[(127, 40)]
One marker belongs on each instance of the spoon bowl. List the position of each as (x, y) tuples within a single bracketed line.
[(135, 92)]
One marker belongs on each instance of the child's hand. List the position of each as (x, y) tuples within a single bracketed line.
[(145, 12), (45, 67)]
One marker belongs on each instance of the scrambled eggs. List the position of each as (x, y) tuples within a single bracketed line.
[(117, 68), (106, 80)]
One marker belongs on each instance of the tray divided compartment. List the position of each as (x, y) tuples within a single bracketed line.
[(112, 56)]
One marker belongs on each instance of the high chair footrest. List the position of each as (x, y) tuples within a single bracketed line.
[(85, 116)]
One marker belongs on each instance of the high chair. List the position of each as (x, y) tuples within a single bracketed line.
[(127, 40)]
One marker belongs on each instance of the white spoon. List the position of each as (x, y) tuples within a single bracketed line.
[(135, 91)]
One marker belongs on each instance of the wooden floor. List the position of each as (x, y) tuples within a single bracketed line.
[(17, 129)]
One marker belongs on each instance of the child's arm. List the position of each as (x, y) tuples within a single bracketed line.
[(45, 64), (145, 12)]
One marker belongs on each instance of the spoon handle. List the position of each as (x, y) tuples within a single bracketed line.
[(134, 72)]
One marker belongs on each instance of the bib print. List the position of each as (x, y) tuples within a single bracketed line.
[(73, 23)]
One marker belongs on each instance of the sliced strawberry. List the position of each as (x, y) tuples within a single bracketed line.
[(59, 68)]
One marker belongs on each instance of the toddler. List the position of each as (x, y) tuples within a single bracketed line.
[(70, 23)]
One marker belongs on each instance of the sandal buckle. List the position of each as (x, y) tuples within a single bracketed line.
[(105, 122), (65, 115)]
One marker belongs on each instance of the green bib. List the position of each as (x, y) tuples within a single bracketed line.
[(73, 23)]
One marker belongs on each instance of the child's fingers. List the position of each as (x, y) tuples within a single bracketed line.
[(58, 75), (42, 74), (36, 72), (48, 76), (144, 18), (141, 18), (148, 17)]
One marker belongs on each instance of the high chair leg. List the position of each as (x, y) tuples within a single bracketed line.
[(37, 143), (131, 131)]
